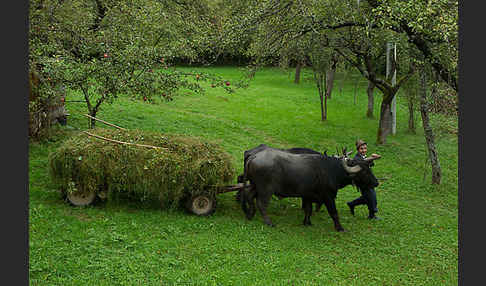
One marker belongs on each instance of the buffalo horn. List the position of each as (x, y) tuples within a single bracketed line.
[(351, 170)]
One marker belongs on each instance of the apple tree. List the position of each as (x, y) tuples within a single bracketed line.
[(107, 48)]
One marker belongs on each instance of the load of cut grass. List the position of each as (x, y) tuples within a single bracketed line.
[(180, 167)]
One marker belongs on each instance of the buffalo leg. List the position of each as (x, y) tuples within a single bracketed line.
[(251, 201), (307, 205), (262, 201), (318, 206), (331, 209), (248, 201)]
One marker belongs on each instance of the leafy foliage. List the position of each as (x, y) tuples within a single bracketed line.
[(432, 27), (108, 48), (182, 166)]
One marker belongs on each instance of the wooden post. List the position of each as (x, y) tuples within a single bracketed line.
[(121, 142)]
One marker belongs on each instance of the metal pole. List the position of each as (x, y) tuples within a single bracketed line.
[(388, 62), (394, 101)]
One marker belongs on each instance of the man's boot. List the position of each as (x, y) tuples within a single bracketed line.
[(373, 216)]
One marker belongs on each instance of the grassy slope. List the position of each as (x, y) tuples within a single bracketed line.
[(125, 243)]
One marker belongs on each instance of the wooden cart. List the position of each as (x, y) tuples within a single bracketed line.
[(202, 204)]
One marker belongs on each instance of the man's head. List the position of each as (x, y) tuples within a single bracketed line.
[(362, 147)]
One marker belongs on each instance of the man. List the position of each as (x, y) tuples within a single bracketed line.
[(368, 197)]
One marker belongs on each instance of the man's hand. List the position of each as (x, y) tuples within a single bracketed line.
[(375, 156)]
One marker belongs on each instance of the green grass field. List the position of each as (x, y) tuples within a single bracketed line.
[(130, 243)]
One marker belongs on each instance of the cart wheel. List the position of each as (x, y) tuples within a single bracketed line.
[(201, 205), (81, 199)]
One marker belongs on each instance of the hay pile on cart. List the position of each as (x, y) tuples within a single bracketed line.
[(152, 166)]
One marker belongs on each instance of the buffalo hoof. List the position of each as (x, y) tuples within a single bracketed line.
[(250, 215), (340, 229)]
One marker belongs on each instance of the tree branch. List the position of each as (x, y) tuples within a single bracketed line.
[(100, 14), (423, 45)]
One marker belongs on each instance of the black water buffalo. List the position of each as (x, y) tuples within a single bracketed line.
[(253, 151), (296, 150), (312, 177)]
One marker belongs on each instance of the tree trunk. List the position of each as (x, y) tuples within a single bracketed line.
[(411, 117), (369, 90), (322, 96), (385, 124), (320, 82), (92, 122), (323, 115), (411, 109), (325, 107), (429, 134), (297, 72), (92, 110), (330, 78)]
